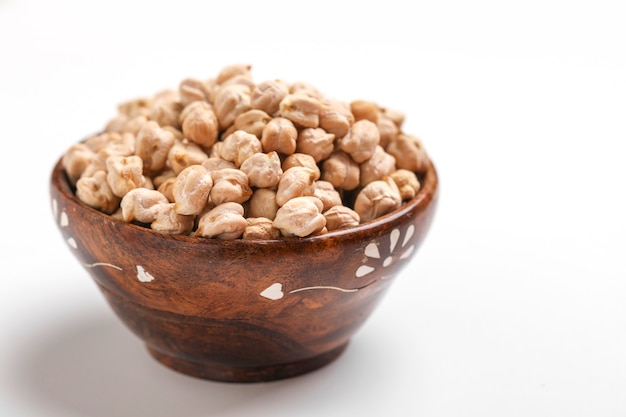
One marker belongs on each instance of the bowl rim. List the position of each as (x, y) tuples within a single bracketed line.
[(426, 196)]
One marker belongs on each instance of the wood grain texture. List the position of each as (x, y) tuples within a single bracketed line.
[(243, 311)]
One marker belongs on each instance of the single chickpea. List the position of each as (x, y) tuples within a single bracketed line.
[(230, 71), (295, 182), (229, 185), (76, 159), (388, 130), (364, 110), (262, 203), (260, 228), (376, 199), (239, 146), (166, 108), (341, 217), (230, 101), (409, 153), (336, 117), (199, 123), (183, 154), (341, 171), (302, 109), (361, 140), (225, 221), (96, 192), (136, 107), (301, 160), (378, 166), (141, 204), (192, 89), (170, 222), (327, 194), (191, 190), (152, 145), (263, 170), (279, 135), (215, 163), (267, 96), (124, 173), (407, 183), (300, 216), (315, 142), (252, 121)]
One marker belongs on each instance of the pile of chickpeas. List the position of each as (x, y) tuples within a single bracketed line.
[(229, 158)]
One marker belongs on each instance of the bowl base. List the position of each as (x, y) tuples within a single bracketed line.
[(222, 373)]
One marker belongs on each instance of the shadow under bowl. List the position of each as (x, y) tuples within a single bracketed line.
[(242, 310)]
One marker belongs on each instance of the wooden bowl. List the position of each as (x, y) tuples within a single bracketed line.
[(242, 310)]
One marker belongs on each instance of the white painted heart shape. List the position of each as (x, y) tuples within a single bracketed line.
[(273, 292)]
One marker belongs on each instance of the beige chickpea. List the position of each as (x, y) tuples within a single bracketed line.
[(395, 115), (341, 171), (301, 160), (364, 110), (170, 222), (262, 203), (117, 149), (141, 204), (295, 182), (407, 183), (239, 146), (336, 117), (263, 170), (252, 121), (192, 89), (215, 163), (361, 140), (96, 164), (162, 176), (388, 130), (225, 221), (199, 123), (300, 216), (327, 194), (230, 101), (183, 154), (100, 141), (306, 88), (229, 185), (409, 153), (116, 124), (152, 145), (376, 199), (260, 228), (341, 217), (302, 109), (166, 108), (134, 124), (378, 166), (191, 190), (136, 107), (167, 189), (267, 96), (177, 133), (315, 142), (124, 173), (234, 70), (279, 135), (96, 192), (76, 159)]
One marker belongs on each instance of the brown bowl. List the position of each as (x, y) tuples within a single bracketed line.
[(242, 310)]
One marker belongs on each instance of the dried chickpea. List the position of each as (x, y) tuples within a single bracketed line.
[(300, 216), (301, 160), (166, 108), (152, 145), (295, 182), (183, 154), (239, 146), (409, 153), (267, 96), (225, 221), (336, 118), (230, 101), (301, 109), (378, 166), (252, 121), (364, 110), (263, 170), (407, 183), (191, 190), (229, 185), (341, 217), (376, 199), (279, 135), (215, 163), (341, 171), (260, 228), (315, 142), (170, 222), (76, 159), (191, 89), (134, 124), (141, 204), (230, 71), (96, 192), (361, 140), (167, 189), (262, 203), (124, 173), (388, 130), (199, 123), (135, 107), (327, 194)]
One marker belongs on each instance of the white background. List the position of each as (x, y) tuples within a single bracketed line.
[(514, 306)]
